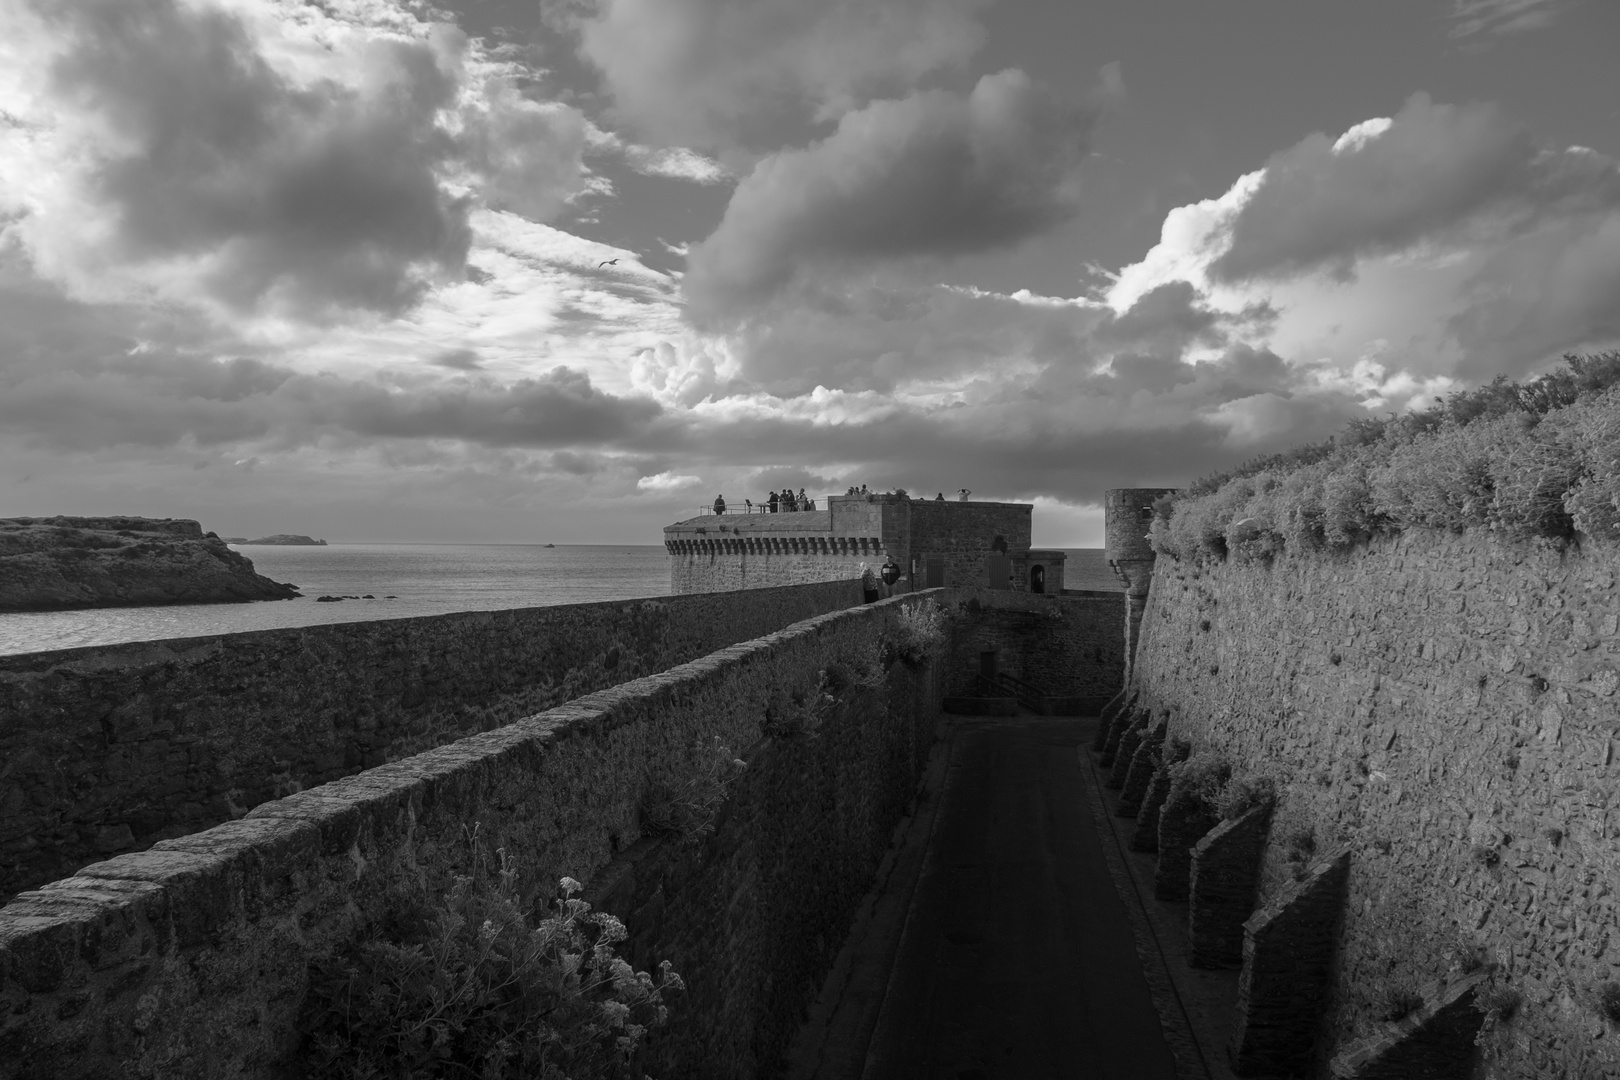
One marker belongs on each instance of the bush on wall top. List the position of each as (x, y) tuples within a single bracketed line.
[(1534, 459)]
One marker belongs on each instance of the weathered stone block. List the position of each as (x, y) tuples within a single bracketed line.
[(1128, 743), (1144, 763), (1288, 949), (1434, 1043), (1224, 877)]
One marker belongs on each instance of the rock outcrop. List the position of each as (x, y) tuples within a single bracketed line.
[(50, 564), (284, 540)]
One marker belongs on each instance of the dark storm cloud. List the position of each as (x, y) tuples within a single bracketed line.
[(78, 377), (1069, 433), (863, 334), (1171, 311), (1439, 172), (323, 195), (722, 74), (936, 173), (561, 408)]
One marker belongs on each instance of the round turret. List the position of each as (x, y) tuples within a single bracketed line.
[(1129, 513)]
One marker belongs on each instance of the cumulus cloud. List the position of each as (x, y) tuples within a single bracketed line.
[(668, 481), (158, 148), (935, 173), (1432, 172), (718, 74), (526, 154)]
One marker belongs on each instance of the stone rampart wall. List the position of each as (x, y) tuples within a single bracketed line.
[(1446, 706), (1066, 645), (109, 749), (190, 960)]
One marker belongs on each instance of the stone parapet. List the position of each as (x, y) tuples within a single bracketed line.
[(113, 748), (192, 960)]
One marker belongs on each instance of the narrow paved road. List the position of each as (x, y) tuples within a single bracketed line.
[(1018, 959)]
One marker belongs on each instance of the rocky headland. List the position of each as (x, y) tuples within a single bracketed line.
[(56, 563)]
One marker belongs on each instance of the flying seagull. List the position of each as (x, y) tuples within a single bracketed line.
[(607, 262)]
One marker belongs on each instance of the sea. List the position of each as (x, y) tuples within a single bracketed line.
[(401, 581)]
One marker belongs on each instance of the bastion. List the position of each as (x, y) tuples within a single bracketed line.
[(933, 542)]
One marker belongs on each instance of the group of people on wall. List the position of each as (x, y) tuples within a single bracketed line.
[(785, 501), (780, 501)]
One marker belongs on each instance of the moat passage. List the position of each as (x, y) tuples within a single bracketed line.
[(1018, 958)]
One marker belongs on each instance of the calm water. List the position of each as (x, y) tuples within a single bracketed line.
[(428, 579)]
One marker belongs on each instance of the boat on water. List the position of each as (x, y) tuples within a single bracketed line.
[(551, 545)]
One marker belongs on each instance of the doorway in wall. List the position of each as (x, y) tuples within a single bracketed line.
[(1037, 579)]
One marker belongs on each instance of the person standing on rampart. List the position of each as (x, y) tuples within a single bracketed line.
[(804, 501), (773, 503), (719, 504), (787, 500)]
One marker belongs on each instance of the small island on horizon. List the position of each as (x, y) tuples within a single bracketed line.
[(278, 540)]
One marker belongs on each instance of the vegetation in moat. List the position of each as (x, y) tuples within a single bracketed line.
[(1533, 459), (469, 986)]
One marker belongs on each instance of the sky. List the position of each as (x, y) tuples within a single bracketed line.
[(562, 271)]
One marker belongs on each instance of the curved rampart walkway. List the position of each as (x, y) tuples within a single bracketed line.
[(996, 945)]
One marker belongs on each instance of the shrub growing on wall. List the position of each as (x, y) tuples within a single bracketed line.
[(468, 988), (1536, 459), (918, 633)]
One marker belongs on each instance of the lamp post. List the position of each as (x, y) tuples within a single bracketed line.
[(890, 572)]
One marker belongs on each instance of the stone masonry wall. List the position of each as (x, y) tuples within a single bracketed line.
[(113, 748), (961, 534), (1446, 706), (190, 960), (1066, 645)]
